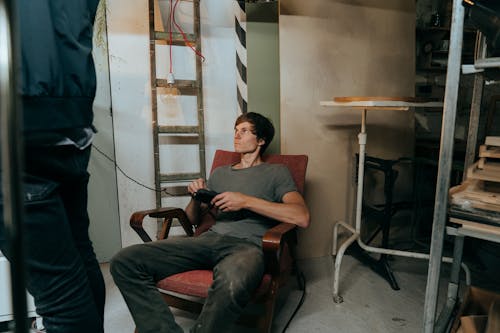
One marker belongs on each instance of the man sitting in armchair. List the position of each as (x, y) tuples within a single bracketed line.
[(253, 196)]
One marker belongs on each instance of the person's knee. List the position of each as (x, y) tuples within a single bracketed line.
[(124, 263), (250, 261), (232, 288), (241, 277)]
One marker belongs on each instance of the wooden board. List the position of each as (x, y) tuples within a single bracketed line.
[(474, 193), (490, 171), (481, 162), (477, 226), (494, 318), (473, 324), (486, 206), (383, 98), (489, 152), (492, 141), (492, 164), (381, 104)]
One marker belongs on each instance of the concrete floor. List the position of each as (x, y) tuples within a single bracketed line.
[(370, 305)]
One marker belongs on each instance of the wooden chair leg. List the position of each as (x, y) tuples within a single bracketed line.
[(265, 322)]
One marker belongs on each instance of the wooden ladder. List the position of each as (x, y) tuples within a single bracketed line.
[(168, 184)]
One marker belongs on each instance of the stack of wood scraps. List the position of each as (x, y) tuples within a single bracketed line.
[(481, 190), (476, 193), (488, 166)]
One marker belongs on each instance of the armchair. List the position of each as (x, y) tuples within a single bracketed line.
[(278, 246)]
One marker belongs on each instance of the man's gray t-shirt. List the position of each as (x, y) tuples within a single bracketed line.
[(266, 181)]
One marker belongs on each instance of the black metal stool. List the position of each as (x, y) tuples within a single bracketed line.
[(382, 214)]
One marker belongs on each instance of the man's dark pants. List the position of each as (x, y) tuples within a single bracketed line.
[(238, 266), (63, 274)]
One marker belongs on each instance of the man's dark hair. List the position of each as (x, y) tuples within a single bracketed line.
[(262, 127)]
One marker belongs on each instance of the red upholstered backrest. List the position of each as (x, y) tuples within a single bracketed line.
[(297, 164)]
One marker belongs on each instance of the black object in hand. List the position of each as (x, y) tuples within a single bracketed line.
[(204, 195)]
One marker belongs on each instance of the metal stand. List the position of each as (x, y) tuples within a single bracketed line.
[(355, 232), (382, 213)]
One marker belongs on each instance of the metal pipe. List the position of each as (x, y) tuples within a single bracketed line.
[(338, 258), (11, 155), (415, 255), (444, 165), (362, 136), (356, 236)]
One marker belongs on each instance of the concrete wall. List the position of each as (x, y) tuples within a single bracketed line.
[(103, 205), (263, 64), (327, 48), (342, 48)]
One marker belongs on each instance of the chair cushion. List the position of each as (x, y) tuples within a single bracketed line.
[(197, 282)]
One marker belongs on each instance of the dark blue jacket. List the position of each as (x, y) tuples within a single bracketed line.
[(58, 79)]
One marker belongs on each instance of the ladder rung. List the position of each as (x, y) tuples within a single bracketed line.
[(186, 87), (174, 191), (177, 38), (178, 129), (168, 195), (179, 176)]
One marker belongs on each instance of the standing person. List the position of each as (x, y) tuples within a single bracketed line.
[(58, 86), (253, 196)]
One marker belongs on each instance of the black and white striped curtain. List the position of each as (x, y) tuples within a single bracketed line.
[(240, 27)]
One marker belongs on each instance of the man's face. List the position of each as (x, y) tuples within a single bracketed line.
[(245, 141)]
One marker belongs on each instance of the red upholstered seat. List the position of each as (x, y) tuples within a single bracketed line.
[(196, 283), (277, 245)]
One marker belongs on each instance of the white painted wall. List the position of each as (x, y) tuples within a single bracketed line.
[(103, 207), (130, 90)]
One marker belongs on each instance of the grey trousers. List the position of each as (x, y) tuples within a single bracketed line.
[(238, 266)]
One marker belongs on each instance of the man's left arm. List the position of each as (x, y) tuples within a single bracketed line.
[(292, 209)]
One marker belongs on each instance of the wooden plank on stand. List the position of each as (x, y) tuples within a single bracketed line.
[(489, 152), (476, 194), (480, 163), (476, 226), (490, 171), (492, 141)]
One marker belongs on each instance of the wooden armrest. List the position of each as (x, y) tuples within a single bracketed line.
[(167, 213), (273, 242)]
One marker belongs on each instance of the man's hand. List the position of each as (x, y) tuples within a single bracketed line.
[(230, 201), (193, 207), (195, 185)]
